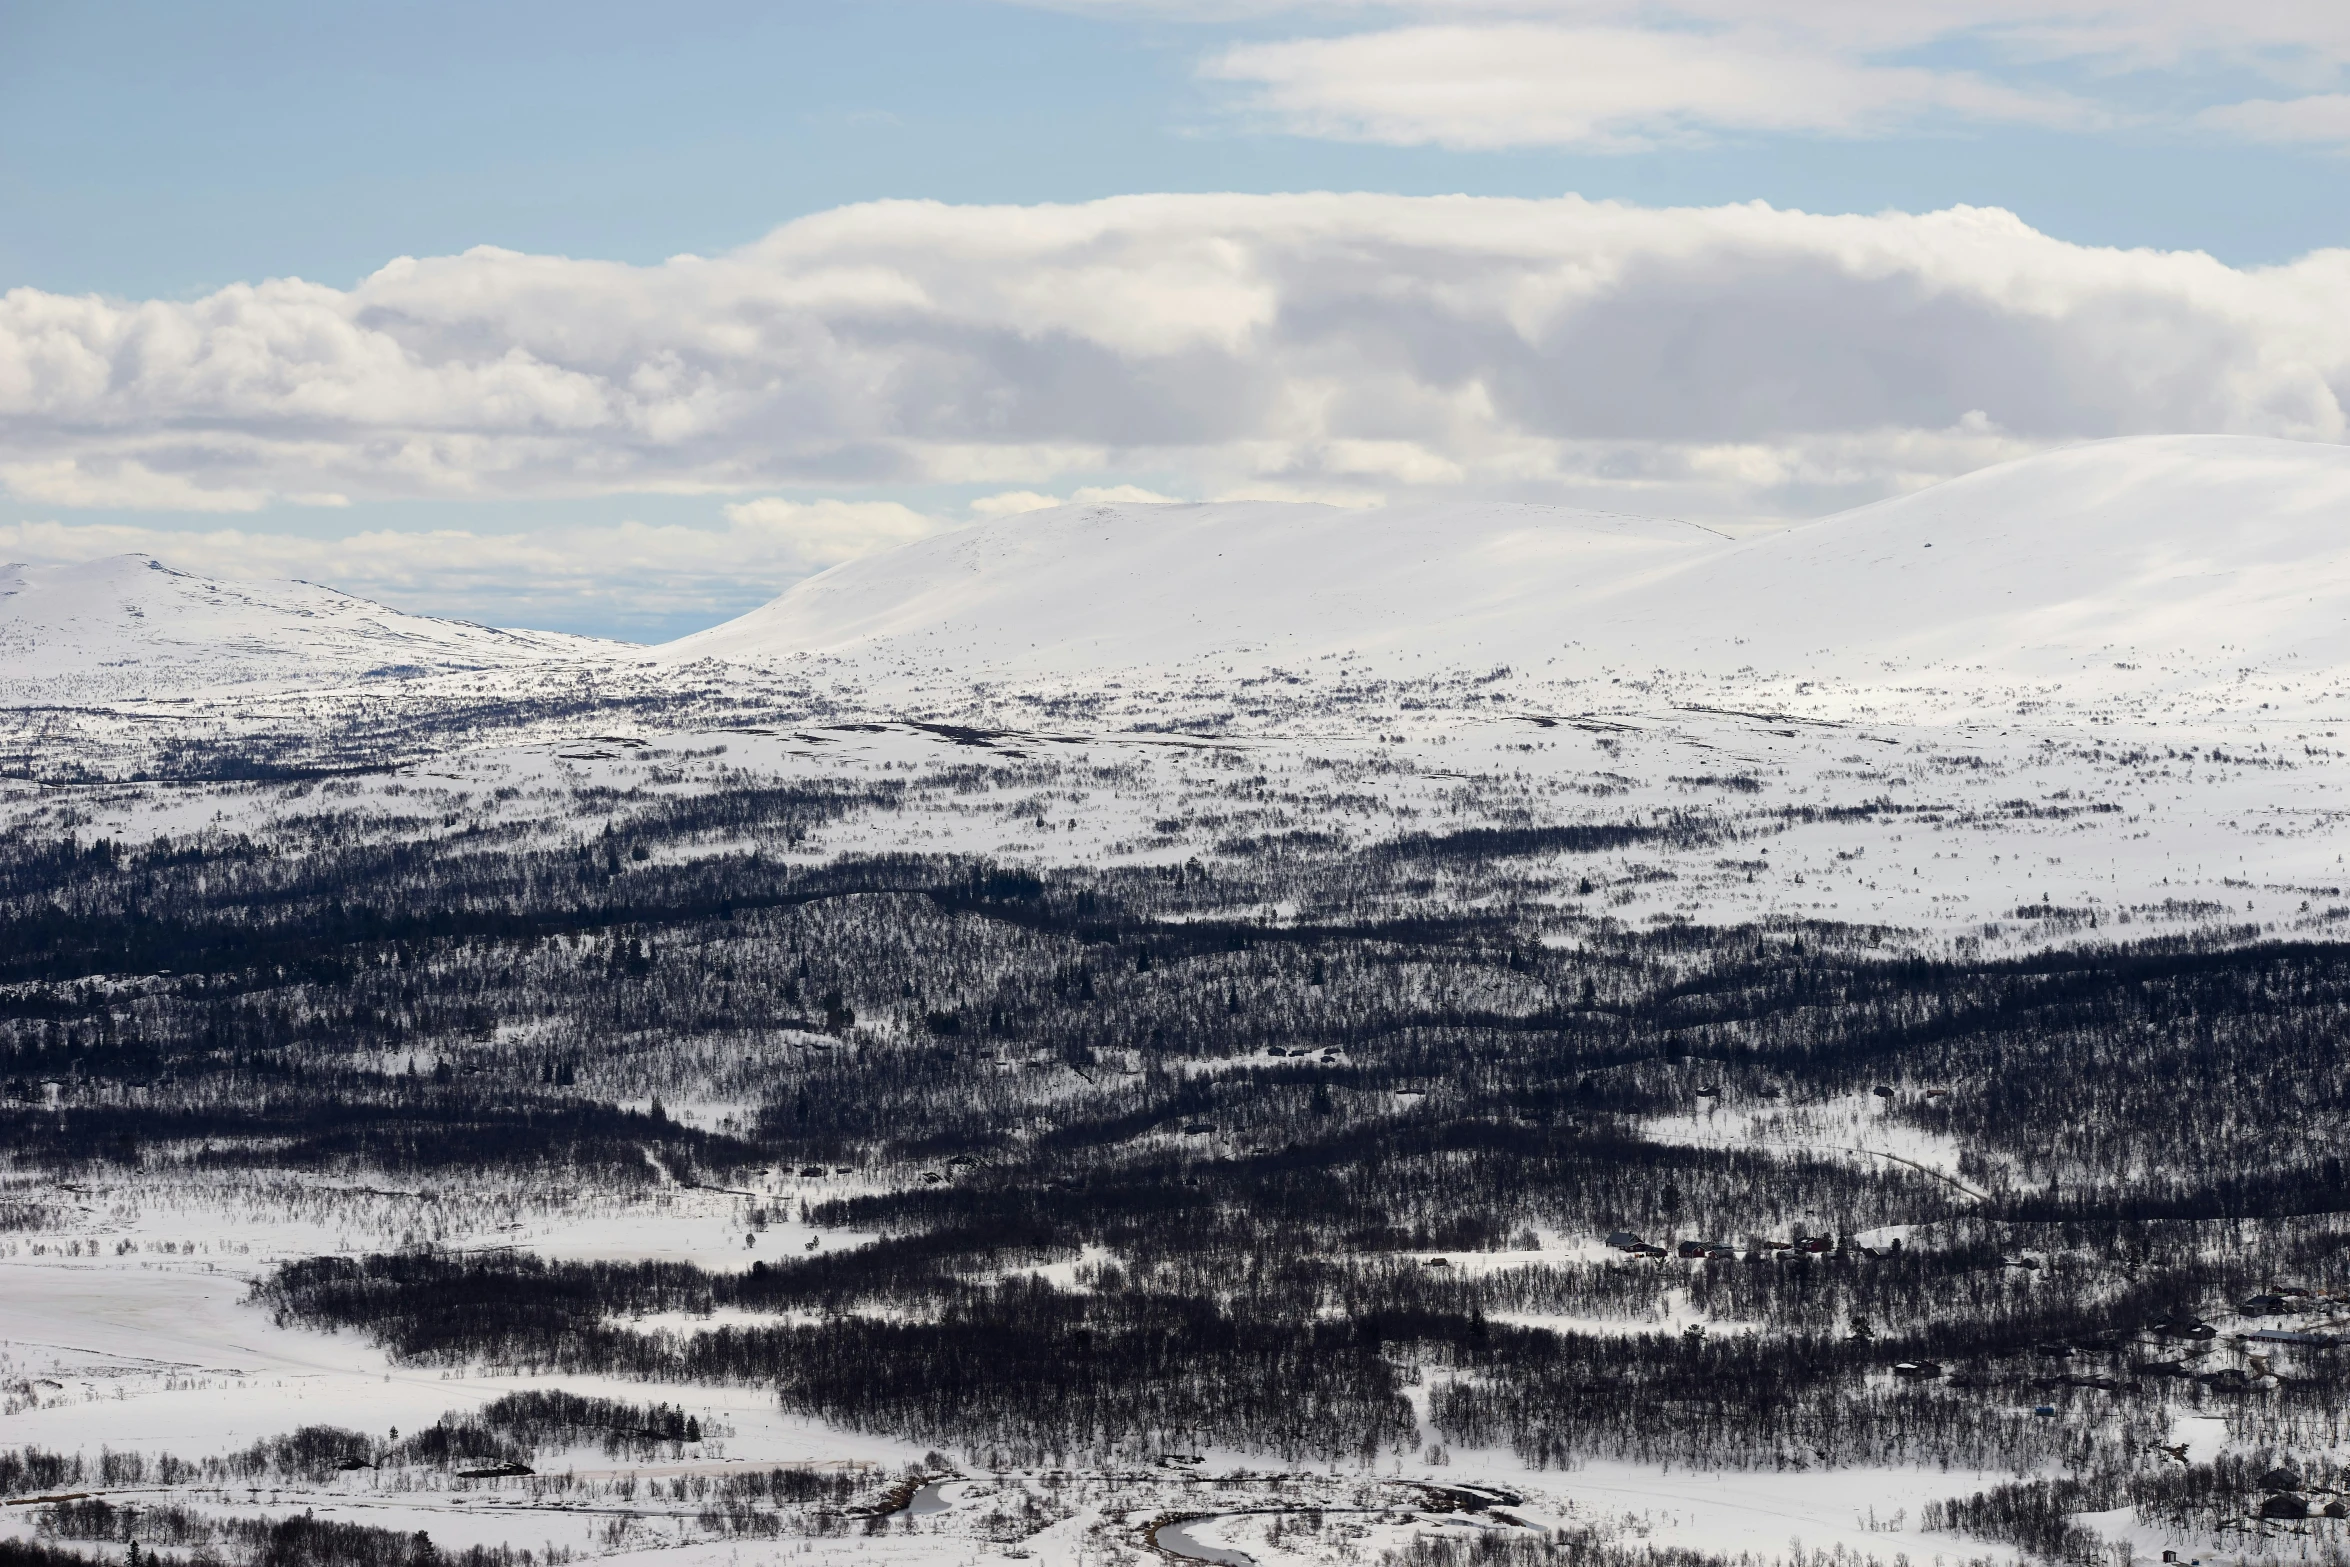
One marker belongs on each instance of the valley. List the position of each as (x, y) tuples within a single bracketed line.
[(1248, 1033)]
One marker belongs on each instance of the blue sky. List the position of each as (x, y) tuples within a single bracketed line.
[(165, 153), (159, 150)]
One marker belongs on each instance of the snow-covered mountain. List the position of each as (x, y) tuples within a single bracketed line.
[(2195, 548), (2184, 556), (2173, 547), (1077, 588), (2113, 680), (128, 626)]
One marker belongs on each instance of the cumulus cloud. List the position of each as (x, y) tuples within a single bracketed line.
[(1712, 360)]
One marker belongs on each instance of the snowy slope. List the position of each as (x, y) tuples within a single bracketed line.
[(2214, 549), (2113, 682), (128, 625), (1112, 586), (2152, 548)]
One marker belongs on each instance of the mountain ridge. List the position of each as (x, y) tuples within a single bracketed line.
[(1193, 580), (2183, 556), (2141, 546), (130, 625)]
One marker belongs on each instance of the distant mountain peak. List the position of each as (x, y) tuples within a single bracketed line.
[(131, 625)]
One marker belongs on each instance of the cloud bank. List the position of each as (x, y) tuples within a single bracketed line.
[(1317, 340), (1352, 347)]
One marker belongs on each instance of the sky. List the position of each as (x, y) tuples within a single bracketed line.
[(621, 318)]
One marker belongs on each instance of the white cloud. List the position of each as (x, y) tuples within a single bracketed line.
[(1355, 344), (2275, 35), (1012, 502), (1623, 75), (1607, 88), (1309, 494), (824, 532), (1120, 495), (2321, 117), (123, 484)]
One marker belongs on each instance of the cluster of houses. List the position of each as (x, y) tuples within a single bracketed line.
[(2287, 1499), (2286, 1300), (1757, 1246), (1931, 1095), (1882, 1091)]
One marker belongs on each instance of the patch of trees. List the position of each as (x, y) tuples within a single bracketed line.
[(29, 1471), (873, 1007), (16, 1552), (1018, 1369), (2198, 1501), (1492, 843), (298, 1540), (512, 1430), (1237, 1141), (391, 1127), (1305, 1360), (1527, 1547)]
